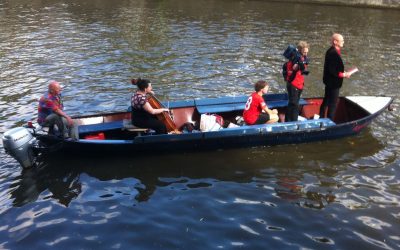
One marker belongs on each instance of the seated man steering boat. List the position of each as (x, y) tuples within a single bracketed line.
[(50, 113)]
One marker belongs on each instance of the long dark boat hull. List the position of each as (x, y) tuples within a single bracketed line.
[(246, 136)]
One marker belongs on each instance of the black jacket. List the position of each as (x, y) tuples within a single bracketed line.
[(332, 66)]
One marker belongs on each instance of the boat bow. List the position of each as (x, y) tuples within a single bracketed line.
[(371, 104)]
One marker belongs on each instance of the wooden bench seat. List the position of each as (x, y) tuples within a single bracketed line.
[(128, 126)]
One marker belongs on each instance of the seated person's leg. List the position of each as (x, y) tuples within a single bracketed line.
[(54, 119), (266, 118), (273, 118), (64, 127), (152, 123), (262, 118), (72, 130), (158, 126)]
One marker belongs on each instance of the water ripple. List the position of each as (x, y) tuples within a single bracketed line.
[(248, 229), (372, 241), (321, 239), (373, 222), (50, 222)]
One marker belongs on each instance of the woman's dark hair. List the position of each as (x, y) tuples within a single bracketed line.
[(142, 84), (260, 85)]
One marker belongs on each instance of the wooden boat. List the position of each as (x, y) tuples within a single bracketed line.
[(109, 133)]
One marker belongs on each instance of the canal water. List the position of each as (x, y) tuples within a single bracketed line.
[(340, 194)]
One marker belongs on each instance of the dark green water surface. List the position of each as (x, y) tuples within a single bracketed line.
[(341, 194)]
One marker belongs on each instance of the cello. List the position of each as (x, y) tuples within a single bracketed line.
[(164, 116)]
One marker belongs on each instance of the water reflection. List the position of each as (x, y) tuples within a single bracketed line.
[(63, 184), (304, 177)]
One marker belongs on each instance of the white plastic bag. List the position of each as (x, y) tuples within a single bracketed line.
[(300, 118), (233, 125), (210, 122)]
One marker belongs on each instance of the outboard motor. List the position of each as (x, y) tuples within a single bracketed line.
[(19, 142)]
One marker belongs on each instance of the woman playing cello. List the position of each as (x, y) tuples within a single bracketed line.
[(143, 114)]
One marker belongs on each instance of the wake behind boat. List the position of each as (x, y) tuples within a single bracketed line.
[(111, 133)]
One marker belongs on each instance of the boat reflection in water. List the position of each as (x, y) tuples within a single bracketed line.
[(63, 184), (282, 169)]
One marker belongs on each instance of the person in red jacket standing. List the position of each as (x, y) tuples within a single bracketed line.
[(296, 68), (256, 110)]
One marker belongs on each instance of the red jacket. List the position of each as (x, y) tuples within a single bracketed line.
[(298, 80), (253, 108)]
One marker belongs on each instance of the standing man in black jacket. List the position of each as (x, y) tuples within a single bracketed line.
[(333, 76)]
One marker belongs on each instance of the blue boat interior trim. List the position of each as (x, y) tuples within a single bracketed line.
[(178, 104), (227, 104), (169, 137), (99, 127), (276, 127), (298, 125), (221, 100), (275, 97), (106, 141), (241, 131), (270, 128), (280, 127), (220, 108)]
